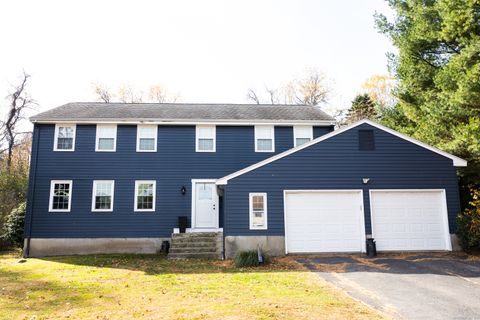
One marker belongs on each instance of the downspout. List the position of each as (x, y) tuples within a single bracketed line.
[(31, 188)]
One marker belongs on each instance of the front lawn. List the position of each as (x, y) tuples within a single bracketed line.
[(152, 287)]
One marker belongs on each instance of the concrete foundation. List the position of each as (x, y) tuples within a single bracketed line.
[(65, 246), (271, 245), (455, 243)]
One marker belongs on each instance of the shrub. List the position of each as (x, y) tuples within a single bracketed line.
[(248, 259), (468, 224), (14, 224)]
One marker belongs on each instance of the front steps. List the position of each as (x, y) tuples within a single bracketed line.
[(200, 245)]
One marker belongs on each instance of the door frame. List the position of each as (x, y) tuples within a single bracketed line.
[(446, 224), (363, 236), (194, 203)]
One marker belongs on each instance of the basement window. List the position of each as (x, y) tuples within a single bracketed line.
[(258, 211), (366, 140)]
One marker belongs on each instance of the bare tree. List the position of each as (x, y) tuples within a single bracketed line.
[(19, 101), (128, 94), (311, 89), (252, 95), (160, 94), (103, 93)]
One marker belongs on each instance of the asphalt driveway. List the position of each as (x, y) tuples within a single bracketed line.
[(410, 286)]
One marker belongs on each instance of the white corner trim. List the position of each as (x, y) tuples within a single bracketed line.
[(52, 187), (55, 138), (250, 211), (457, 162), (197, 137), (94, 193), (97, 137), (137, 183)]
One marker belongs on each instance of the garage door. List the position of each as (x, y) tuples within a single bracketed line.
[(324, 221), (409, 220)]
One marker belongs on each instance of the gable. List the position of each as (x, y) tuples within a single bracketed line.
[(456, 161)]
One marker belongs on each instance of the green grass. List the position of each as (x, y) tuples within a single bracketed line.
[(152, 287)]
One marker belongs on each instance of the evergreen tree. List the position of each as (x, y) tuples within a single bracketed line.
[(362, 107)]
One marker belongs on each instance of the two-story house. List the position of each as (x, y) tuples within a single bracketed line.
[(117, 177)]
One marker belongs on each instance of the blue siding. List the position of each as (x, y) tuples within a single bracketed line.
[(172, 166), (337, 163)]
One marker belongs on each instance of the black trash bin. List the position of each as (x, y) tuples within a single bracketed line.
[(371, 248), (182, 223)]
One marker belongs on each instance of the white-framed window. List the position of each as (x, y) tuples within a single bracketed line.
[(64, 137), (264, 139), (60, 196), (205, 139), (145, 191), (258, 211), (147, 138), (102, 195), (302, 134), (106, 137)]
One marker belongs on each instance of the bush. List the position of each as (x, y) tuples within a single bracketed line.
[(249, 259), (14, 224), (468, 224)]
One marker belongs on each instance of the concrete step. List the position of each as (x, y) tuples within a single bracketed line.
[(196, 239), (194, 244), (201, 255), (193, 250), (196, 234)]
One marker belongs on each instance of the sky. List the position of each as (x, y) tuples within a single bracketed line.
[(206, 51)]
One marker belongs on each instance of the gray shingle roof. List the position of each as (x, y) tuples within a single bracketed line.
[(96, 111)]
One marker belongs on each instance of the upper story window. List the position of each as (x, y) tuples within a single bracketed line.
[(147, 138), (258, 211), (64, 137), (106, 137), (145, 195), (302, 134), (60, 196), (264, 139), (102, 195), (205, 139)]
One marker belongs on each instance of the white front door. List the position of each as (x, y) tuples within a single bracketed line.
[(206, 205)]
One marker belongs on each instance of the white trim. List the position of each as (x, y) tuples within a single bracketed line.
[(137, 183), (94, 193), (295, 134), (226, 122), (363, 237), (457, 162), (197, 137), (50, 201), (272, 128), (446, 230), (194, 207), (250, 211), (155, 137), (55, 138), (97, 137)]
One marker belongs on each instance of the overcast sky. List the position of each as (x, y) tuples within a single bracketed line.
[(208, 51)]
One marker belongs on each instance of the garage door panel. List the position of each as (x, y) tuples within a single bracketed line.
[(324, 221), (409, 220)]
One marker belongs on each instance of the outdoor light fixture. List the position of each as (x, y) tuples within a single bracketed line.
[(183, 190), (365, 180)]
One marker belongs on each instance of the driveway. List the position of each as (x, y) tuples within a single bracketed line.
[(410, 286)]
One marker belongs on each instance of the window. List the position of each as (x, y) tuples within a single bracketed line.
[(206, 138), (145, 195), (264, 139), (366, 140), (106, 137), (147, 138), (102, 195), (64, 137), (302, 134), (60, 196), (258, 211)]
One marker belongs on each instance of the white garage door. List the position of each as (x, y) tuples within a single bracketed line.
[(409, 220), (324, 221)]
